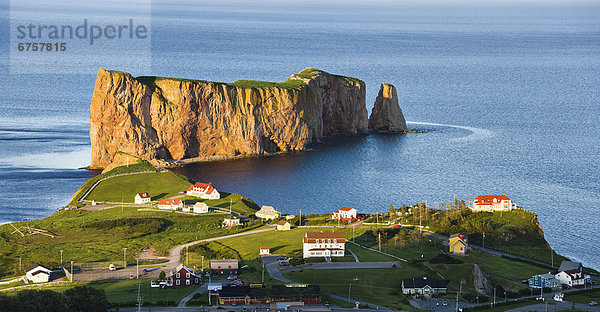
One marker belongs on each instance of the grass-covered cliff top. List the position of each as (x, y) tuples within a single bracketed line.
[(290, 83)]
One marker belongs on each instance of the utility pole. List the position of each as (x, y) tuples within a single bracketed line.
[(263, 273), (139, 299), (379, 239), (20, 265), (61, 259), (458, 294), (300, 224), (353, 226), (137, 268), (187, 256), (494, 296), (202, 263), (124, 257), (349, 289), (209, 282), (552, 256), (72, 276), (483, 240)]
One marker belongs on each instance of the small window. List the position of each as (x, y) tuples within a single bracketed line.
[(177, 282), (317, 240), (187, 282), (187, 275), (329, 240), (335, 241), (177, 275)]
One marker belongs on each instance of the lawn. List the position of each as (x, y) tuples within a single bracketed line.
[(159, 185), (84, 237), (378, 286), (124, 292), (584, 296), (501, 307)]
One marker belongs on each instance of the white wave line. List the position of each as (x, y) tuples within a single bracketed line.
[(476, 133)]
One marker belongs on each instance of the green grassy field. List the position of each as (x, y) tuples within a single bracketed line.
[(83, 238), (584, 296), (378, 286), (124, 292), (159, 185)]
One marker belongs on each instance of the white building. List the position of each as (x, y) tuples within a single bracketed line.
[(267, 213), (171, 204), (200, 207), (283, 226), (264, 251), (142, 198), (229, 222), (344, 214), (324, 244), (38, 273), (492, 203), (186, 208), (203, 190), (573, 278)]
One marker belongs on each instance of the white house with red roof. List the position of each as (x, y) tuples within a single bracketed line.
[(203, 190), (142, 198), (573, 278), (492, 203), (344, 214), (323, 244), (170, 204)]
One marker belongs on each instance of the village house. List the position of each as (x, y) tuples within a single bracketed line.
[(458, 244), (544, 281), (186, 208), (283, 226), (171, 204), (203, 190), (323, 244), (200, 208), (492, 203), (267, 213), (229, 222), (142, 198), (344, 214), (264, 251), (573, 278), (224, 267), (184, 276), (424, 286), (37, 273), (289, 217)]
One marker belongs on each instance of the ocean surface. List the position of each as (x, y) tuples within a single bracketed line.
[(510, 92)]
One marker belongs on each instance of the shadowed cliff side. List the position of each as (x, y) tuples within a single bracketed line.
[(387, 115), (167, 119)]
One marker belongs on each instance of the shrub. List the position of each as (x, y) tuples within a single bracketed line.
[(443, 258)]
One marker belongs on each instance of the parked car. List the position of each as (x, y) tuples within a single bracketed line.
[(540, 298), (593, 303), (284, 263), (396, 226), (281, 258), (112, 267), (445, 303)]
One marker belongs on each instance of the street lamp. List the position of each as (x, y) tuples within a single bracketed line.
[(124, 257), (61, 259)]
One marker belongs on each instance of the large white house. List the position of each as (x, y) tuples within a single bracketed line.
[(142, 198), (171, 204), (344, 214), (323, 244), (267, 213), (200, 207), (37, 273), (573, 278), (492, 203), (203, 190)]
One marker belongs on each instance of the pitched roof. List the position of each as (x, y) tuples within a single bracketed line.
[(575, 274), (282, 222), (310, 237), (183, 267), (268, 210), (569, 265), (35, 265), (344, 209), (203, 187), (489, 199), (462, 237), (264, 247), (169, 201), (143, 195), (424, 281), (224, 264)]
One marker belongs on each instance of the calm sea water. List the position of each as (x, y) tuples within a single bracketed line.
[(511, 94)]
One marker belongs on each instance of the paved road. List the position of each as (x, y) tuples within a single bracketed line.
[(201, 289), (153, 270)]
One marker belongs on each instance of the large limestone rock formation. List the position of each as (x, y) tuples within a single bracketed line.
[(481, 281), (166, 119), (387, 115)]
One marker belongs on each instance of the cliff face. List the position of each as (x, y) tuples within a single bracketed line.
[(387, 115), (172, 119)]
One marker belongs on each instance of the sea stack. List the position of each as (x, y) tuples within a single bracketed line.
[(387, 115), (164, 120)]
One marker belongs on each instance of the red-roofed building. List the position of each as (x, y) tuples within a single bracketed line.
[(344, 214), (171, 204), (323, 244), (142, 198), (492, 203), (573, 278), (203, 190)]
